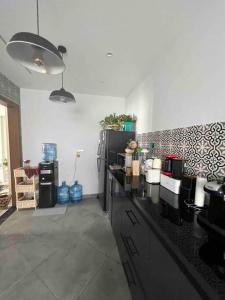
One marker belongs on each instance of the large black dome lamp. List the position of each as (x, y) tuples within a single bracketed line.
[(62, 95), (35, 52)]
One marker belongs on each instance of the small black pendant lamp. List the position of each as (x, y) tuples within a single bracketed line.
[(35, 52), (62, 95)]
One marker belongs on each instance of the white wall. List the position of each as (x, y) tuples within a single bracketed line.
[(188, 78), (70, 127), (140, 103)]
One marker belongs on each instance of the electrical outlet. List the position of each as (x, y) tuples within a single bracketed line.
[(78, 152)]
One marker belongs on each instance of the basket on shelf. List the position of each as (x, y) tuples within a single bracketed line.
[(4, 201)]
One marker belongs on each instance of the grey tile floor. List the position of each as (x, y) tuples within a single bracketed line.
[(70, 257)]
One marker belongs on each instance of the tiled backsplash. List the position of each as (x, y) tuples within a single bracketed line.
[(203, 146)]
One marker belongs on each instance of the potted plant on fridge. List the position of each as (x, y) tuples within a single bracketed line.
[(127, 121), (112, 122)]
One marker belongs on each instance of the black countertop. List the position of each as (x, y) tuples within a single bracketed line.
[(177, 228)]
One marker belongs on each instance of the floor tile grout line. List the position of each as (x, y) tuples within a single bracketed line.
[(90, 280), (105, 254), (102, 252), (42, 281), (14, 284), (94, 276), (68, 252), (28, 273)]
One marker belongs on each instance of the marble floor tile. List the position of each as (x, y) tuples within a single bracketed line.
[(66, 274), (109, 283), (60, 257), (30, 287), (13, 267)]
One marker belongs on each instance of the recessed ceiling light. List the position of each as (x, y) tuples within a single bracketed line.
[(109, 54)]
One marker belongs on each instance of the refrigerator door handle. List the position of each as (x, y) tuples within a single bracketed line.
[(99, 147), (98, 163), (46, 183)]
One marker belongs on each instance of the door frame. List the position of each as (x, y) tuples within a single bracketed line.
[(14, 136)]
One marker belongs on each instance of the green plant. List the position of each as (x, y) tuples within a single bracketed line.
[(112, 121), (131, 144), (125, 118)]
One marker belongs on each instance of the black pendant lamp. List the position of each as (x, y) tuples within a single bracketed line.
[(62, 95), (35, 52)]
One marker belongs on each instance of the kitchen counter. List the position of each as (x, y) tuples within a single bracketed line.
[(176, 227)]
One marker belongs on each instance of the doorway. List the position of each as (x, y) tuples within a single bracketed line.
[(5, 178), (10, 150)]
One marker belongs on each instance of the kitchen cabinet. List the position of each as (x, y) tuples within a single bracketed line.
[(150, 270), (117, 203)]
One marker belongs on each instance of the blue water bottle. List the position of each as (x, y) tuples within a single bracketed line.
[(76, 192), (49, 152), (63, 193)]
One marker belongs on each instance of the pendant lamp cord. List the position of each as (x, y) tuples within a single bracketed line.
[(37, 18), (62, 72)]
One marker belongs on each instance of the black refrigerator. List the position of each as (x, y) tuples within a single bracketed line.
[(111, 142)]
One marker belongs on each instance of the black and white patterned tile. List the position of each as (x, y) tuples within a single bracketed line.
[(178, 136), (166, 137), (203, 147)]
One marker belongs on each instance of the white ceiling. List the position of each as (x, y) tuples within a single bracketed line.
[(135, 31)]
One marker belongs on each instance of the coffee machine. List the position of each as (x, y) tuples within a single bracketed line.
[(48, 182), (216, 210), (213, 221), (173, 166), (187, 189)]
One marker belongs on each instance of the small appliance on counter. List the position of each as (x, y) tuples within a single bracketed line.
[(153, 170), (187, 189), (48, 182), (149, 164), (170, 208), (213, 221), (157, 163), (153, 175), (177, 168), (216, 210), (167, 165), (170, 183), (173, 166), (174, 209), (153, 163)]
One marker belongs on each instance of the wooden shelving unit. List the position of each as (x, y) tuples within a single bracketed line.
[(26, 189)]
